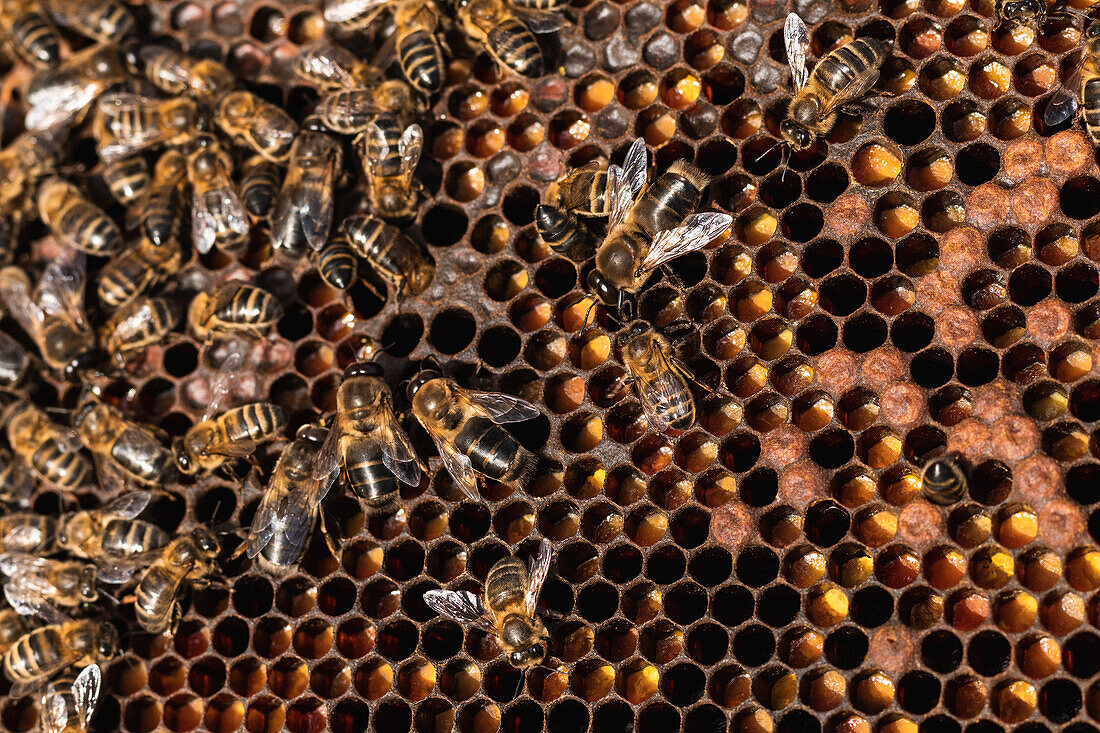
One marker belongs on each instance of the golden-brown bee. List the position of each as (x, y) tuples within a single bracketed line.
[(128, 123), (75, 221), (1081, 90), (259, 186), (127, 178), (348, 111), (12, 627), (465, 425), (841, 79), (125, 452), (291, 503), (30, 33), (332, 67), (337, 263), (28, 532), (389, 155), (112, 537), (68, 703), (136, 326), (233, 308), (650, 225), (1030, 13), (187, 559), (106, 21), (352, 15), (367, 443), (17, 481), (159, 212), (506, 607), (52, 313), (63, 94), (15, 363), (303, 209), (179, 74), (394, 257), (507, 32), (944, 480), (251, 121), (660, 381), (136, 270), (418, 51), (217, 214), (52, 452), (28, 158), (33, 581), (582, 193), (43, 652)]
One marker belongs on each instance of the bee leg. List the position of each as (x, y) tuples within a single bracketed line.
[(333, 546), (550, 614), (672, 277)]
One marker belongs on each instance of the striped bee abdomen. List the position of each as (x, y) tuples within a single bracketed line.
[(421, 60), (517, 47), (841, 67), (60, 466), (490, 448), (1090, 107)]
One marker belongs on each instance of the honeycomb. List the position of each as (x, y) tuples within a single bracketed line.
[(926, 280)]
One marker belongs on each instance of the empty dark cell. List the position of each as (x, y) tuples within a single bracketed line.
[(1083, 483), (1034, 728), (402, 334), (977, 164), (296, 323), (215, 506), (988, 653), (1077, 283), (760, 487), (1081, 655), (1060, 700), (452, 331), (181, 359), (754, 645), (623, 563), (872, 606), (556, 277), (397, 639), (666, 565), (524, 715), (842, 294), (909, 122), (657, 718), (706, 717), (918, 692), (441, 639), (711, 566), (1084, 400), (932, 368), (985, 726), (157, 396), (690, 269), (393, 715), (740, 451), (760, 156), (780, 191), (912, 331), (846, 647), (598, 602), (444, 225), (827, 182), (253, 596), (822, 257), (732, 605), (940, 724), (779, 605), (865, 332), (871, 257), (568, 716), (498, 346), (832, 448), (816, 335), (519, 205), (717, 157), (686, 603), (798, 721), (469, 522), (977, 366), (1077, 728), (757, 566), (691, 527), (1080, 198), (803, 222), (708, 643), (990, 482), (826, 523), (683, 684), (1029, 284)]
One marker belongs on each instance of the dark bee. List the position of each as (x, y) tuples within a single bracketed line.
[(136, 270), (127, 178), (418, 51), (106, 21), (62, 95), (136, 326), (259, 186), (29, 533), (159, 213), (249, 120), (188, 559), (507, 32), (397, 259), (31, 34), (47, 650), (337, 263), (580, 194), (75, 221), (234, 307), (125, 451), (390, 154), (112, 537), (944, 480), (177, 73), (1031, 13), (659, 379), (1081, 89), (303, 210)]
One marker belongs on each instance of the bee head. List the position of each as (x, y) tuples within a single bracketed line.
[(363, 369), (530, 656), (628, 338), (422, 377), (206, 541), (183, 457), (1021, 10), (797, 136), (1093, 31)]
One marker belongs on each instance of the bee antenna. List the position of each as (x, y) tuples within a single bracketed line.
[(761, 156), (786, 160), (519, 685), (584, 323)]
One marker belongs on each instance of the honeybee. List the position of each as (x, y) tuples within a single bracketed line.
[(367, 443), (389, 157), (28, 532), (507, 32), (647, 228), (125, 451), (393, 256), (68, 703), (582, 193), (128, 123), (259, 186), (186, 559), (136, 326), (465, 425), (303, 209), (12, 627), (15, 363), (331, 67), (1081, 89), (233, 434), (30, 33), (506, 607), (841, 78), (249, 120), (159, 212), (944, 480), (61, 95), (43, 652), (112, 537), (660, 381), (217, 214), (337, 263), (33, 581), (105, 21), (348, 111), (136, 270), (52, 313), (127, 178), (17, 480), (23, 162), (1031, 13), (418, 51), (177, 73), (75, 221), (292, 503), (232, 308)]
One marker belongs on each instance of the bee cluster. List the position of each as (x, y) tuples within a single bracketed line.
[(522, 364)]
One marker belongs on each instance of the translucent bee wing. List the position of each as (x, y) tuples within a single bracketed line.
[(412, 141), (536, 575), (797, 40), (11, 351), (222, 380), (117, 573), (1061, 106), (15, 292), (26, 593), (460, 605), (215, 210), (27, 603), (21, 482), (172, 67), (373, 148), (57, 104), (344, 11), (315, 206), (398, 454), (697, 232), (620, 196), (132, 325), (117, 104), (459, 466), (655, 395), (634, 170), (538, 21), (86, 688), (326, 465), (55, 713), (61, 287), (502, 408), (13, 564), (298, 514), (128, 505), (24, 536), (326, 64)]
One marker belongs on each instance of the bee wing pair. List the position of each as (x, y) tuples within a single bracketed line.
[(498, 407), (796, 39), (1064, 103), (56, 104), (658, 394), (27, 588), (466, 607), (85, 691), (60, 290), (374, 149), (327, 65), (218, 208), (116, 105), (626, 183)]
